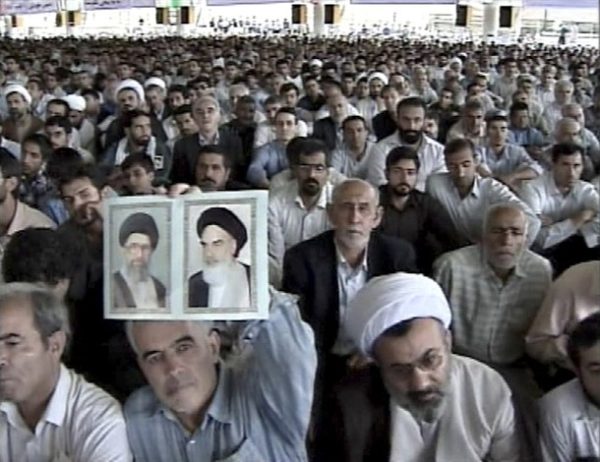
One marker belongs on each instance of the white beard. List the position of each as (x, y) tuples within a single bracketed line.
[(229, 285), (217, 274)]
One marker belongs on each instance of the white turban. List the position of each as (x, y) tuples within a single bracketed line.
[(388, 300), (75, 102), (155, 82), (20, 89), (130, 84), (378, 75)]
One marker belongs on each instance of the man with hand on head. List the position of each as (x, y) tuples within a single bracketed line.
[(224, 282), (419, 402)]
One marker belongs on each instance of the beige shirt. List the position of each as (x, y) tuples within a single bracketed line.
[(477, 421)]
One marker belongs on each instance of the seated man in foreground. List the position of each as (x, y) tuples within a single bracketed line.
[(195, 408), (420, 402)]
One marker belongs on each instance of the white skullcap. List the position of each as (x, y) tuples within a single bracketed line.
[(20, 89), (75, 102), (378, 75), (155, 82), (455, 60), (130, 84), (316, 62), (388, 300)]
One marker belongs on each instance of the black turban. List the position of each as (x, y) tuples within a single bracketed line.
[(227, 220), (140, 223)]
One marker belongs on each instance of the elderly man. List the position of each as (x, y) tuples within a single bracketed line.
[(224, 282), (134, 286), (20, 121), (420, 402), (47, 412), (195, 408), (570, 414)]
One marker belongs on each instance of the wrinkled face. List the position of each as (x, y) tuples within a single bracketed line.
[(353, 214), (588, 371), (415, 367), (32, 160), (462, 167), (285, 126), (186, 124), (473, 120), (82, 200), (141, 130), (355, 133), (128, 100), (504, 239), (567, 170), (57, 135), (497, 132), (402, 177), (218, 246), (137, 251), (138, 180), (179, 361), (312, 173), (176, 99), (211, 172), (17, 106), (207, 114), (28, 365), (520, 119)]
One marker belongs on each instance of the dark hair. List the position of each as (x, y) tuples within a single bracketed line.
[(518, 106), (129, 116), (59, 121), (307, 147), (10, 166), (565, 149), (42, 142), (353, 118), (585, 335), (91, 92), (273, 99), (138, 159), (183, 109), (214, 149), (62, 161), (37, 255), (432, 115), (179, 89), (459, 144), (60, 102), (411, 101), (473, 104), (79, 170), (287, 110), (288, 86), (246, 99), (402, 153)]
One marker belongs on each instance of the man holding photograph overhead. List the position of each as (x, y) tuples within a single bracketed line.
[(224, 282), (134, 286)]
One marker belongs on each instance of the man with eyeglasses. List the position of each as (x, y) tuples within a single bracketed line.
[(417, 401), (495, 289), (298, 211)]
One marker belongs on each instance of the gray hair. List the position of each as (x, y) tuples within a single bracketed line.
[(501, 207), (49, 312), (205, 327), (340, 188), (564, 84)]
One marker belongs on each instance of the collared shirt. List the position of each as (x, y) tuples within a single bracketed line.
[(203, 141), (431, 158), (267, 161), (526, 137), (544, 198), (265, 132), (477, 421), (569, 425), (545, 96), (290, 222), (350, 281), (260, 409), (490, 317), (123, 152), (505, 87), (468, 213), (458, 130), (572, 297), (510, 159), (551, 115), (81, 422), (343, 162)]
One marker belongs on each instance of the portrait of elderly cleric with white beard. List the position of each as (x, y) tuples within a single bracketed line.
[(224, 281)]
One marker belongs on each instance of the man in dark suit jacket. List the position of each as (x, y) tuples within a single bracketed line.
[(327, 129), (313, 270), (206, 113)]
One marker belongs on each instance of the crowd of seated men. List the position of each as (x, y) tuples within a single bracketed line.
[(433, 248)]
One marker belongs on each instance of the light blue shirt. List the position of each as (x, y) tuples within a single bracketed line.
[(268, 160), (510, 159), (261, 407), (526, 137)]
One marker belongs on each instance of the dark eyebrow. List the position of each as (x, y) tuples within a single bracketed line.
[(185, 338), (10, 336), (427, 352)]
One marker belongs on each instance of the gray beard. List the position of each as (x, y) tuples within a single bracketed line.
[(138, 274), (217, 274)]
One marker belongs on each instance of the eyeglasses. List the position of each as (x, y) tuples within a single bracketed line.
[(429, 362), (306, 168)]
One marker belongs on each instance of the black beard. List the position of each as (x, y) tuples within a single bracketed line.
[(410, 136), (310, 188)]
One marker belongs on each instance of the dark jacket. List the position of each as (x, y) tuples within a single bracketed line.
[(383, 125), (310, 270), (163, 159), (185, 156), (123, 298), (325, 130)]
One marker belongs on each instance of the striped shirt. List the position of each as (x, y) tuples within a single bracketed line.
[(490, 318)]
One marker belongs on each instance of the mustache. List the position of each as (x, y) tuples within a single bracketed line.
[(421, 394)]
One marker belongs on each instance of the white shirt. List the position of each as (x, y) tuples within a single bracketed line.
[(431, 158), (265, 132), (290, 222), (143, 292), (544, 198), (551, 115), (81, 423), (342, 161), (468, 213), (324, 111), (569, 424), (477, 421)]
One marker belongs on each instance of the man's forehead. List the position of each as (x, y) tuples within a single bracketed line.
[(137, 238), (214, 232), (152, 335), (16, 316)]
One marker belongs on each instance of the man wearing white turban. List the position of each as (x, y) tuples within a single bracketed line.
[(419, 403), (20, 122)]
